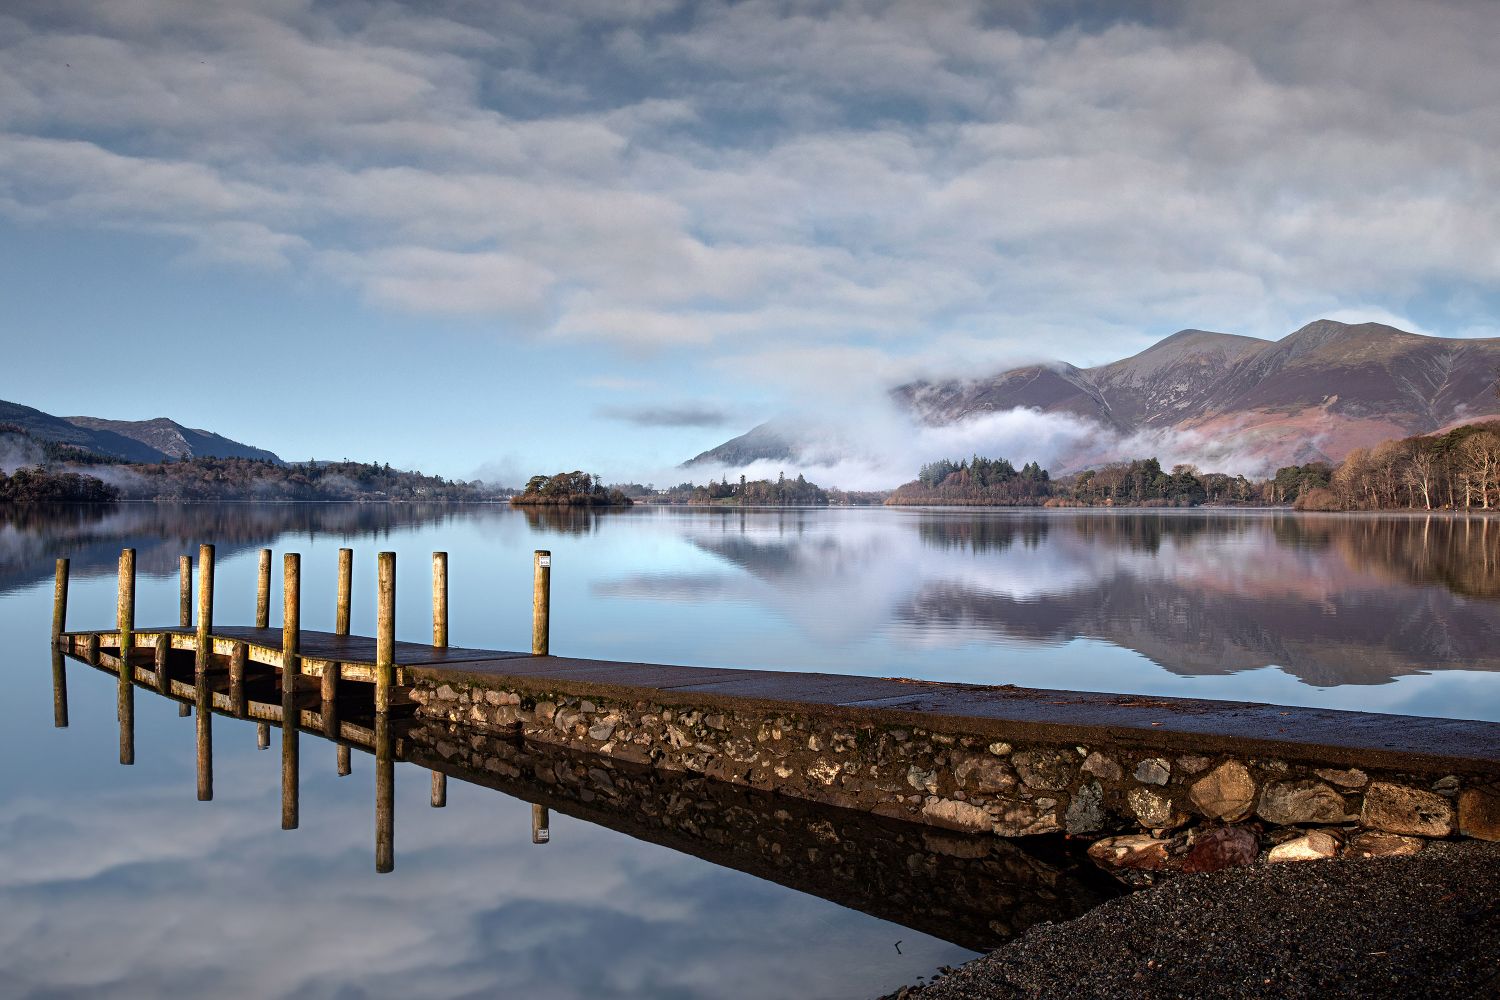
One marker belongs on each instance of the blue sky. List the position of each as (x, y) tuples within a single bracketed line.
[(499, 238)]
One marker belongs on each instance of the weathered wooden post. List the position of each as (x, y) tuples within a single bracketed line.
[(205, 642), (91, 649), (385, 635), (59, 689), (203, 705), (439, 789), (346, 581), (263, 590), (263, 735), (440, 599), (345, 768), (184, 710), (125, 612), (540, 832), (385, 796), (541, 601), (163, 673), (238, 657), (60, 602), (329, 691), (185, 591), (291, 667), (125, 623)]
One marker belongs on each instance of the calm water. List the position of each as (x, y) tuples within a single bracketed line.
[(115, 881)]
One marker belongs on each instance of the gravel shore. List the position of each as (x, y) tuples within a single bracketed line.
[(1422, 926)]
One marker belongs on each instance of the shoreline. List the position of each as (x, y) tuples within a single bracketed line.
[(1421, 926)]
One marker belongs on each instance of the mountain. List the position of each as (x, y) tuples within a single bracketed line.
[(766, 441), (173, 440), (155, 440), (1316, 394)]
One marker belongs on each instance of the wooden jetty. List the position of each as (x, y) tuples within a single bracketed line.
[(983, 759)]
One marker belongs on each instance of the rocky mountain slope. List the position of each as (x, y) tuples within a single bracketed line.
[(1315, 394), (155, 440)]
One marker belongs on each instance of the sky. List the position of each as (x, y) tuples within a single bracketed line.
[(491, 239)]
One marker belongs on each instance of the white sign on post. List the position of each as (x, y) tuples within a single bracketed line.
[(544, 561)]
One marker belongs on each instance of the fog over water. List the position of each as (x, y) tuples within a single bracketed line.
[(119, 882)]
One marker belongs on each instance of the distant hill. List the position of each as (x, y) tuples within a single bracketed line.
[(1314, 395), (174, 440), (765, 441), (155, 440)]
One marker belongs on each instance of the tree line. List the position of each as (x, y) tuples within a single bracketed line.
[(1458, 470), (569, 489)]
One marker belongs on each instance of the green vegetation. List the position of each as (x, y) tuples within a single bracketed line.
[(783, 492), (986, 482), (570, 489), (38, 485)]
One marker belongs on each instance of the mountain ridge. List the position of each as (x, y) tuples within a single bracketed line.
[(1315, 394), (158, 440)]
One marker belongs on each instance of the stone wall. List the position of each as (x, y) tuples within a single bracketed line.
[(965, 781)]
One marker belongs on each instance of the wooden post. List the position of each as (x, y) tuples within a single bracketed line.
[(540, 832), (263, 590), (204, 706), (291, 667), (440, 599), (184, 710), (237, 660), (263, 736), (60, 602), (439, 789), (345, 769), (385, 635), (91, 649), (59, 690), (330, 699), (346, 581), (541, 601), (125, 622), (205, 641), (125, 612), (163, 673), (385, 796), (185, 591)]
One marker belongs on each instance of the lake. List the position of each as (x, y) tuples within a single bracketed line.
[(117, 881)]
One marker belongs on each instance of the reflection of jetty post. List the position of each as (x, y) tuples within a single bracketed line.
[(345, 768), (263, 735), (91, 649), (59, 690), (203, 703), (163, 675), (439, 641), (540, 833), (185, 591), (385, 796), (291, 666), (60, 601), (385, 635), (439, 789), (184, 710), (125, 622), (541, 601), (237, 657), (263, 590), (205, 606)]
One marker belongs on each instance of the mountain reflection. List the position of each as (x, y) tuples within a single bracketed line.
[(1330, 599)]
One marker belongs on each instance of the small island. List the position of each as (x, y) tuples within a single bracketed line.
[(569, 489)]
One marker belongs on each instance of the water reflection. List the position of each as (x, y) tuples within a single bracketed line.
[(973, 891)]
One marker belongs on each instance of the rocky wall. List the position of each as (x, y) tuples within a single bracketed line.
[(963, 781)]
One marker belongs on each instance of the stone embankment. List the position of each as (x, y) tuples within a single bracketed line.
[(1170, 795)]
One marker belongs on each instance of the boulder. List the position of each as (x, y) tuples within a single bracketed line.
[(1479, 813), (1154, 809), (1227, 792), (1153, 771), (1103, 767), (954, 815), (1220, 848), (1136, 851), (1315, 846), (1048, 769), (1374, 844), (1288, 803), (1086, 811), (1402, 809)]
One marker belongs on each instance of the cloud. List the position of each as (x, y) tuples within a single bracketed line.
[(759, 177), (680, 415)]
